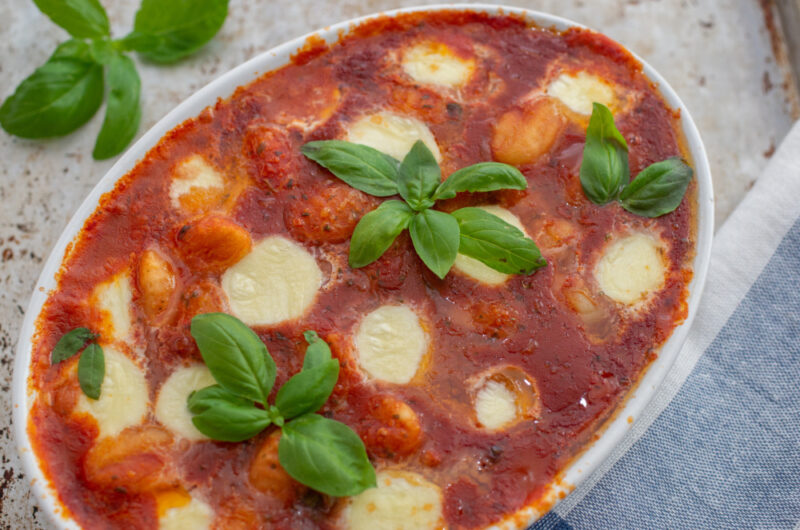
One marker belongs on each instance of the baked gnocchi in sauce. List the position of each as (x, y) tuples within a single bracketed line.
[(471, 393)]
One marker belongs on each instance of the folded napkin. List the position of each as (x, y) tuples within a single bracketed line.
[(720, 445)]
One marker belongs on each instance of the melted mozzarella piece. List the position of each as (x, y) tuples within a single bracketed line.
[(631, 268), (113, 299), (123, 395), (392, 134), (476, 269), (391, 343), (495, 405), (579, 91), (195, 183), (278, 280), (194, 515), (171, 410), (435, 63), (402, 500)]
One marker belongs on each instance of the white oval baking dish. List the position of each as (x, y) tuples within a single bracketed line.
[(581, 468)]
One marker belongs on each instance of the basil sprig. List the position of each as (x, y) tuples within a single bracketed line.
[(437, 236), (321, 453), (66, 91), (91, 363), (605, 175)]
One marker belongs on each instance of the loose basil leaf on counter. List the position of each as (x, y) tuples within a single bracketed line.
[(70, 344), (222, 415), (360, 166), (235, 355), (309, 389), (166, 31), (376, 232), (83, 19), (91, 370), (435, 236), (325, 455), (60, 96), (604, 169), (102, 51), (658, 189), (122, 109), (418, 176), (485, 176), (496, 243)]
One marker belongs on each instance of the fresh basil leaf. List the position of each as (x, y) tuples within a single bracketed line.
[(317, 352), (485, 176), (360, 166), (376, 232), (70, 344), (435, 236), (167, 30), (418, 176), (224, 416), (91, 370), (325, 455), (496, 243), (60, 96), (83, 19), (102, 51), (658, 189), (604, 168), (309, 389), (73, 49), (234, 354), (122, 109)]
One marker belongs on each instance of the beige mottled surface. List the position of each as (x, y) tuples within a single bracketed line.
[(718, 54)]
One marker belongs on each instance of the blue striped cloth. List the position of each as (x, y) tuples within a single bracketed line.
[(723, 448)]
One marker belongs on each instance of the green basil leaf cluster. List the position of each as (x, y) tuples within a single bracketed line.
[(437, 236), (91, 363), (605, 175), (321, 453), (65, 92)]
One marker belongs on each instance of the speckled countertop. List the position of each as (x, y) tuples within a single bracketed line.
[(724, 57)]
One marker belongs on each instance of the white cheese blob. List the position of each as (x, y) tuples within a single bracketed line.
[(277, 281), (476, 269), (402, 500), (392, 134), (578, 91), (123, 395), (195, 515), (113, 299), (171, 410), (495, 405), (435, 63), (391, 343), (194, 176), (631, 268)]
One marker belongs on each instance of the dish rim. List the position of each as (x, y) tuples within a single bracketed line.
[(613, 430)]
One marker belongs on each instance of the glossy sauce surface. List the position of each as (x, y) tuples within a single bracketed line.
[(579, 370)]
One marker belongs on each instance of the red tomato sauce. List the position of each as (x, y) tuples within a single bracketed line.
[(254, 139)]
